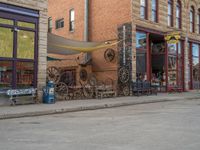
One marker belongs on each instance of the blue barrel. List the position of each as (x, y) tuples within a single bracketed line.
[(49, 93)]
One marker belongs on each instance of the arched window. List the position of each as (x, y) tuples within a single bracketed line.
[(143, 9), (178, 14), (154, 11), (198, 21), (192, 17), (170, 13)]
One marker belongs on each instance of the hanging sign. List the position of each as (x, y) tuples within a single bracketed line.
[(173, 38)]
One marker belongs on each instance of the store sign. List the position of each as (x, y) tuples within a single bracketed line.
[(173, 38)]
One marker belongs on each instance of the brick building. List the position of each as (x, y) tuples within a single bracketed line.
[(23, 48), (141, 27)]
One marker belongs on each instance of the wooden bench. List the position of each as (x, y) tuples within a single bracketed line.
[(105, 92), (17, 96)]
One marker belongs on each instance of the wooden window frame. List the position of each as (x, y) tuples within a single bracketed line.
[(171, 16), (192, 28), (71, 22), (179, 18), (60, 23), (155, 11), (145, 9)]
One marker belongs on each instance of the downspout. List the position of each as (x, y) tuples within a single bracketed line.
[(86, 21), (86, 29)]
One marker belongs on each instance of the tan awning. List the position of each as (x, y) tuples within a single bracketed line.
[(63, 46)]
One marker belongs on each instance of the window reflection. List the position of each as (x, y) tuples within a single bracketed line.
[(25, 44), (195, 66), (5, 74), (25, 74), (141, 40), (6, 42)]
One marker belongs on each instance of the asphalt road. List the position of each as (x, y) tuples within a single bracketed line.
[(157, 126)]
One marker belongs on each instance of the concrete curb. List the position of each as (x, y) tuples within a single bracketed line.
[(84, 108)]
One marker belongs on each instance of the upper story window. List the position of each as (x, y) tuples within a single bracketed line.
[(198, 21), (178, 14), (143, 9), (170, 13), (192, 12), (50, 26), (59, 23), (154, 10), (71, 20)]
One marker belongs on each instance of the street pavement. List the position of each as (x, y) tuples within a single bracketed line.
[(173, 125), (7, 112)]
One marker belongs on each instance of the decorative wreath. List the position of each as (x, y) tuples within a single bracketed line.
[(109, 55)]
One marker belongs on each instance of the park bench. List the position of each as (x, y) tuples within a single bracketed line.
[(22, 96)]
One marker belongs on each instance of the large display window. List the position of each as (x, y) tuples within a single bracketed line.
[(194, 66), (18, 51)]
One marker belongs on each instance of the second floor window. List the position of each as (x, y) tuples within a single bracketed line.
[(170, 13), (71, 20), (178, 15), (154, 10), (59, 23), (192, 12), (50, 24), (143, 9)]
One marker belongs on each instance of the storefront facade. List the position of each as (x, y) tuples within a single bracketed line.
[(23, 37), (168, 65)]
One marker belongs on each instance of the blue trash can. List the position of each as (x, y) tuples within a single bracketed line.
[(49, 93)]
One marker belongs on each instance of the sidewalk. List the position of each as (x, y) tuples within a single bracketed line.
[(8, 112)]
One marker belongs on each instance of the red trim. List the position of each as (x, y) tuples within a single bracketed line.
[(148, 59)]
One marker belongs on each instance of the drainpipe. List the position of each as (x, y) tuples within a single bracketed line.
[(86, 20), (86, 29)]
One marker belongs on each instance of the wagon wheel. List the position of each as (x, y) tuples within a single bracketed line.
[(83, 75), (109, 55), (126, 90), (61, 88), (53, 74), (78, 94), (66, 78), (88, 91), (123, 75), (92, 80)]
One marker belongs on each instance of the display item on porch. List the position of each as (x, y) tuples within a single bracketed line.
[(123, 75), (53, 74), (109, 55)]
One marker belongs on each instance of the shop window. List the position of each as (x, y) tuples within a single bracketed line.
[(50, 26), (175, 65), (143, 9), (6, 42), (26, 44), (6, 21), (5, 74), (60, 23), (178, 14), (195, 66), (192, 19), (25, 74), (170, 13), (71, 20), (141, 40), (154, 11), (141, 54)]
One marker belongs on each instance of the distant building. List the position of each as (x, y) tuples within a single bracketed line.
[(23, 45), (141, 26)]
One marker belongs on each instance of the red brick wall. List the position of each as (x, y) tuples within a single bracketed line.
[(104, 18), (59, 9)]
